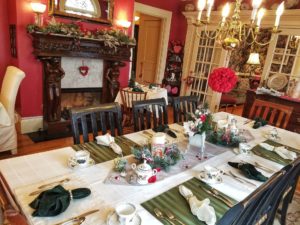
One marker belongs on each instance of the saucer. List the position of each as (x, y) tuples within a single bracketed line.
[(112, 219), (202, 177), (72, 164)]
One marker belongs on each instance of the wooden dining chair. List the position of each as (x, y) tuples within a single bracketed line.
[(183, 105), (252, 209), (128, 97), (149, 113), (290, 190), (102, 118), (9, 211), (276, 114)]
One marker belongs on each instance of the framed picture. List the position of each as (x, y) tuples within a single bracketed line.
[(278, 56)]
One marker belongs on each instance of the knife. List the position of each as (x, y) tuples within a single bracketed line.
[(228, 203), (78, 218)]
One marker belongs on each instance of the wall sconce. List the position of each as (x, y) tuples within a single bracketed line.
[(124, 24), (38, 9)]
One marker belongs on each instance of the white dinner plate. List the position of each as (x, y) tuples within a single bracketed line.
[(112, 219)]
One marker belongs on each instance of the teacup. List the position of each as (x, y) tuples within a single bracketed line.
[(211, 173), (125, 212), (81, 157), (244, 148)]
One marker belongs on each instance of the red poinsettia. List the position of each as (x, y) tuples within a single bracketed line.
[(222, 80)]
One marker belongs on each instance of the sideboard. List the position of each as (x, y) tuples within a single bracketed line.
[(294, 123)]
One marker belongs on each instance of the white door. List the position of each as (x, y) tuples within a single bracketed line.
[(207, 55)]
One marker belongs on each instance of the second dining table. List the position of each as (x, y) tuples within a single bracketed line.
[(25, 174)]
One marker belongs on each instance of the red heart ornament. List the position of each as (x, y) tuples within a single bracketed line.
[(177, 48), (83, 70)]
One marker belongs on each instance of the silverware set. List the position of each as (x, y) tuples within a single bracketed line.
[(168, 216), (218, 196), (238, 178), (44, 187), (77, 219)]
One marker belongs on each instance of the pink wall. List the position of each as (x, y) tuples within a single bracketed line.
[(178, 23), (4, 39), (31, 88)]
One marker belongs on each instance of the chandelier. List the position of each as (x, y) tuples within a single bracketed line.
[(231, 31)]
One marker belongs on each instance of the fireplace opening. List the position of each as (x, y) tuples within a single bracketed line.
[(79, 97)]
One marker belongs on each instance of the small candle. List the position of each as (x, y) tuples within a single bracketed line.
[(210, 4), (260, 15), (200, 6), (279, 12), (225, 12), (255, 6)]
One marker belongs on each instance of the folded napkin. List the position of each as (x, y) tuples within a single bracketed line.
[(259, 122), (108, 140), (201, 209), (249, 171), (56, 200), (267, 146), (284, 153), (281, 151), (165, 128)]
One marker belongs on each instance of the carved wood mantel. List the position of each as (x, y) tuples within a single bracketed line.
[(49, 48)]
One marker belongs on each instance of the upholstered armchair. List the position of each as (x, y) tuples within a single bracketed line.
[(9, 90)]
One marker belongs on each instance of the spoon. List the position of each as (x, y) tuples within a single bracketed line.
[(160, 215)]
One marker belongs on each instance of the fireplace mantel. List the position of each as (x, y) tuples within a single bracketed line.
[(49, 48)]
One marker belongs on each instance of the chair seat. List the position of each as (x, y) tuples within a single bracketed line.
[(228, 100)]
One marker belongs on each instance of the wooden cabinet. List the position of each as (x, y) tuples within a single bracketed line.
[(294, 123)]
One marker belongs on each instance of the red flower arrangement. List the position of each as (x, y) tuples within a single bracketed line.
[(222, 80)]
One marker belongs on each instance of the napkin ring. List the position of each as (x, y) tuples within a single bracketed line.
[(71, 195)]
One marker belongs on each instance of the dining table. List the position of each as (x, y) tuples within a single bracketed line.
[(25, 174)]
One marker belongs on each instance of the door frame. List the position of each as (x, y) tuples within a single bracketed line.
[(165, 17)]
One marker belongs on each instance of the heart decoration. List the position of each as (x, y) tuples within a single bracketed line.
[(177, 48), (84, 70)]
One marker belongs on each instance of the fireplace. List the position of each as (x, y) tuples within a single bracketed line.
[(51, 50)]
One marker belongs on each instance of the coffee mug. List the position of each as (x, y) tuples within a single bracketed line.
[(125, 212), (81, 157), (244, 148), (211, 172)]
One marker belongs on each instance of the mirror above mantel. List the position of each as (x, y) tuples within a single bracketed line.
[(100, 11)]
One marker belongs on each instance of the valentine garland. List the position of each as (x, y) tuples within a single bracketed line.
[(222, 80)]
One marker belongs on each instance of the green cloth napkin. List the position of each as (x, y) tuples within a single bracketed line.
[(137, 89), (56, 200), (165, 128), (259, 122), (249, 171)]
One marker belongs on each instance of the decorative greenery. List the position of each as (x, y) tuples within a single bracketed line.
[(198, 122), (171, 156), (110, 37), (120, 164), (225, 138)]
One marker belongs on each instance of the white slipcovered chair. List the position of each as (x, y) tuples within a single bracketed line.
[(9, 90)]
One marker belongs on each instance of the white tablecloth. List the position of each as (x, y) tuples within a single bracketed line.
[(151, 94), (24, 174)]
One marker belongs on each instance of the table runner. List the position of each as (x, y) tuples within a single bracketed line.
[(101, 153), (173, 201), (271, 155)]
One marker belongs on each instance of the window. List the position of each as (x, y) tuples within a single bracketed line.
[(89, 8)]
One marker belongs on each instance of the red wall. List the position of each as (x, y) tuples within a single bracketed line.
[(31, 90), (178, 23), (4, 39)]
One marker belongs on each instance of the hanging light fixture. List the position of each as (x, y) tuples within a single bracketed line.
[(231, 31)]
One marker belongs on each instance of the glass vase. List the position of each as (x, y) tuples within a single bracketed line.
[(198, 141)]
